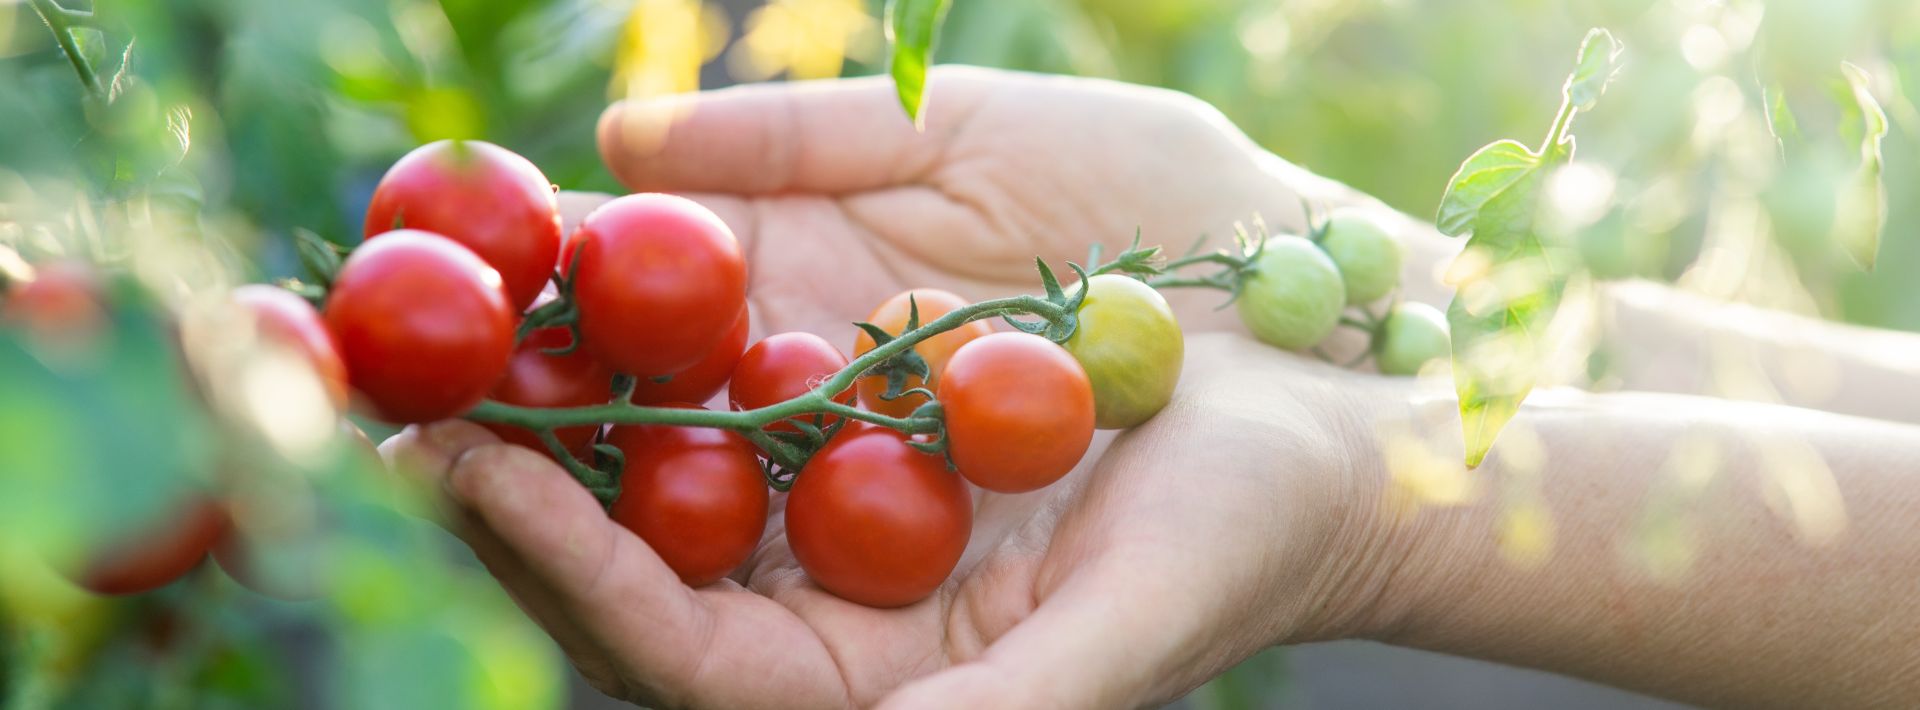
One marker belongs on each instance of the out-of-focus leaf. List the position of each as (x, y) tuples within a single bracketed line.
[(1862, 211), (1485, 175), (1599, 61), (913, 27)]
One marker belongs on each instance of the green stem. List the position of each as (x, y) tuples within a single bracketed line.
[(62, 21), (1562, 122), (1189, 282)]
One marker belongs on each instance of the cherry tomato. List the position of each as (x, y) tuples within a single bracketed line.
[(783, 366), (1368, 257), (422, 324), (61, 305), (1294, 297), (1131, 347), (289, 321), (659, 281), (536, 379), (487, 198), (705, 379), (878, 522), (1019, 411), (891, 316), (155, 557), (694, 494), (1413, 335)]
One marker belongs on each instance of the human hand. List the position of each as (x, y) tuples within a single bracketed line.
[(1214, 530)]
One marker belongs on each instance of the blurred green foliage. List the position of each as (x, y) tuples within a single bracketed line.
[(254, 118)]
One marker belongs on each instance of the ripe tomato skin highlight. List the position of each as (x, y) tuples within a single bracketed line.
[(536, 379), (706, 378), (422, 324), (696, 495), (783, 366), (156, 557), (659, 281), (487, 198), (891, 316), (1019, 411), (289, 321), (1131, 347), (878, 522)]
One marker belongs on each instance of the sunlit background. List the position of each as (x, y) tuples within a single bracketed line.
[(237, 123)]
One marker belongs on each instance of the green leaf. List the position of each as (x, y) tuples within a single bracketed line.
[(318, 255), (1599, 61), (1862, 211), (912, 28), (1780, 120), (1482, 177)]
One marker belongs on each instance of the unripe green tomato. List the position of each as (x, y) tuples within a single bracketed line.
[(1131, 347), (1413, 335), (1368, 257), (1294, 297)]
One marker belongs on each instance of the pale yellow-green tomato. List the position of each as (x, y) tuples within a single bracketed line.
[(1131, 347), (1294, 297), (1368, 257), (1413, 335)]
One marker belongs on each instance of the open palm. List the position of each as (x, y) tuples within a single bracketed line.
[(1137, 577)]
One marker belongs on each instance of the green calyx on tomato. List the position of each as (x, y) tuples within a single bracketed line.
[(1367, 256), (1293, 297), (1131, 347), (1412, 335)]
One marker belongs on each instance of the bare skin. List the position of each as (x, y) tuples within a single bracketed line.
[(1170, 555)]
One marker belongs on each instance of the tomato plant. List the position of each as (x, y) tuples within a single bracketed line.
[(876, 521), (783, 366), (1367, 256), (1412, 335), (695, 495), (659, 281), (1131, 348), (891, 316), (487, 198), (705, 378), (1019, 411), (288, 321), (422, 324), (157, 555), (1293, 297), (536, 378)]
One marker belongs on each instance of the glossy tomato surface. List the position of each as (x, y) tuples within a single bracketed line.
[(878, 522), (891, 316), (1019, 411), (1131, 347), (696, 495), (537, 379), (481, 195), (706, 378), (422, 324), (290, 322), (659, 281), (151, 558), (784, 366)]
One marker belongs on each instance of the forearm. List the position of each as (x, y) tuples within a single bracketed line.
[(1716, 552)]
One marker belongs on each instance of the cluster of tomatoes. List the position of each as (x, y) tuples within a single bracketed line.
[(1300, 287)]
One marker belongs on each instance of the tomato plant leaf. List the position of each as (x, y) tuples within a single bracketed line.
[(1506, 287), (1862, 211), (912, 27), (1483, 176)]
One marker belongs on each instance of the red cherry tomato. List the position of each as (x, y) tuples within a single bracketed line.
[(704, 380), (62, 304), (878, 522), (487, 198), (155, 557), (1019, 411), (536, 379), (783, 366), (422, 324), (694, 494), (659, 281), (891, 316), (289, 321)]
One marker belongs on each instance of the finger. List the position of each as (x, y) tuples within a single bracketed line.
[(826, 136)]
